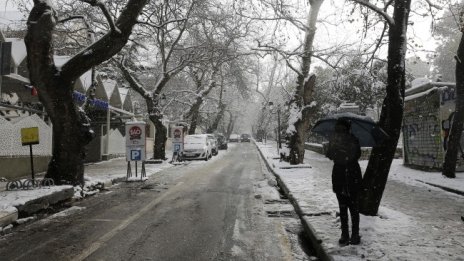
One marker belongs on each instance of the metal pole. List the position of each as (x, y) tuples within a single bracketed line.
[(108, 122), (32, 162), (136, 169), (278, 127)]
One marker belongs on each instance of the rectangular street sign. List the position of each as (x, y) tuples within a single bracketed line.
[(136, 154), (135, 141), (30, 136), (135, 134)]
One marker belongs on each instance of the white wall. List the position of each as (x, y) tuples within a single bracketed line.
[(10, 137)]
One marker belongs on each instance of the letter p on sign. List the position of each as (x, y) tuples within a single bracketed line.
[(136, 155)]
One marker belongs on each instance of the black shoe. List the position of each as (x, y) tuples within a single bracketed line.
[(355, 240), (344, 240)]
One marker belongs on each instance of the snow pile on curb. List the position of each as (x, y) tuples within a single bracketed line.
[(20, 197)]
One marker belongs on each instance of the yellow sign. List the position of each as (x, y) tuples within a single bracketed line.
[(30, 136)]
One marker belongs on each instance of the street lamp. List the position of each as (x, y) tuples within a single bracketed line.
[(279, 143)]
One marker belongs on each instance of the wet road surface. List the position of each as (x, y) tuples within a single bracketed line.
[(202, 211)]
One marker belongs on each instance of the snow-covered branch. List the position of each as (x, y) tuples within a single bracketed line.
[(376, 9), (107, 46), (163, 24), (105, 12), (133, 82)]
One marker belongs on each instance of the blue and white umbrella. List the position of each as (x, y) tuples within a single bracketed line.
[(363, 127)]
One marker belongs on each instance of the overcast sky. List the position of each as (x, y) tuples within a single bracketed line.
[(328, 34)]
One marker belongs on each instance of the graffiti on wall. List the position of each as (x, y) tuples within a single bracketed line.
[(426, 125), (447, 108), (422, 131)]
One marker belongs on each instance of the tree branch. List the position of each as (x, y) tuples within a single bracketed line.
[(376, 9), (133, 82), (106, 13), (107, 46), (70, 18), (433, 5)]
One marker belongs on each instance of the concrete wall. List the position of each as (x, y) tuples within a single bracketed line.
[(16, 167)]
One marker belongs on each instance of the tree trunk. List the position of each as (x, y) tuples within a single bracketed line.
[(214, 126), (298, 138), (71, 132), (391, 117), (303, 93), (155, 116), (231, 125), (71, 127), (159, 147), (449, 166), (194, 111), (194, 121)]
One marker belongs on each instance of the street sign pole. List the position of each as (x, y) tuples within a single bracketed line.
[(29, 137), (135, 147), (32, 162)]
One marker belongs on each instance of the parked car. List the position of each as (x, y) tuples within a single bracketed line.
[(222, 142), (197, 147), (245, 137), (214, 144), (234, 138)]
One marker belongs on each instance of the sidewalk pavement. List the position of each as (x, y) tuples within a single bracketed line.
[(416, 221), (97, 175)]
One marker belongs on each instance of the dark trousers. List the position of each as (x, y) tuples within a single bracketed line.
[(349, 202)]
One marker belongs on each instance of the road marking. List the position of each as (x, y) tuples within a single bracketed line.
[(108, 236)]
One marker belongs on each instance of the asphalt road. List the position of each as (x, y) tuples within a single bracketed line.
[(214, 210)]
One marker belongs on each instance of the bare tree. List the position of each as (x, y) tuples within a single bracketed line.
[(391, 117), (71, 130), (173, 58), (202, 90), (300, 104)]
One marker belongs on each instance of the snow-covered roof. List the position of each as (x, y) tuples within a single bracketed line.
[(424, 86), (17, 77), (109, 86), (85, 79), (18, 50), (349, 105), (123, 92), (60, 60), (126, 99), (420, 94), (349, 115), (112, 92), (100, 92)]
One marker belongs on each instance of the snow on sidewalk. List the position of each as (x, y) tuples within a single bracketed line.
[(113, 169), (415, 220)]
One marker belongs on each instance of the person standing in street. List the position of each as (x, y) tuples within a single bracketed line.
[(345, 151)]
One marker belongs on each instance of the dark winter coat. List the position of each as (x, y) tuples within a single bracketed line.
[(345, 151)]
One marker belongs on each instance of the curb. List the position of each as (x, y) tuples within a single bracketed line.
[(11, 214), (8, 216), (455, 191), (35, 205), (321, 252)]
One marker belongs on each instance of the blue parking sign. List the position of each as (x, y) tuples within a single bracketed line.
[(136, 155)]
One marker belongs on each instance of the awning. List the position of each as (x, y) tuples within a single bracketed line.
[(15, 83)]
